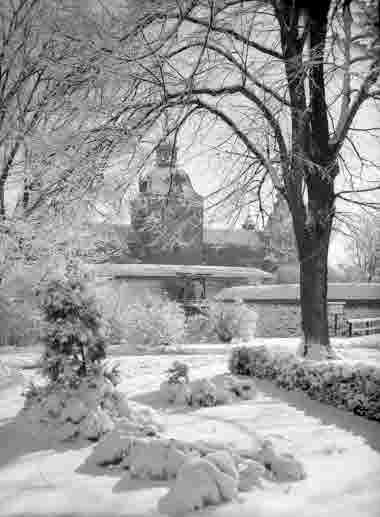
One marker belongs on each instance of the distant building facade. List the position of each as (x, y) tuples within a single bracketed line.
[(167, 226), (167, 214)]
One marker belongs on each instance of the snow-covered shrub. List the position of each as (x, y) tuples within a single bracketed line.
[(87, 410), (154, 320), (203, 393), (176, 388), (355, 387), (232, 321), (73, 337), (199, 329), (178, 373)]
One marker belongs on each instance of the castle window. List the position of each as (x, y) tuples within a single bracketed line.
[(143, 186)]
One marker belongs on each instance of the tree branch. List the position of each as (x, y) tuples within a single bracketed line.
[(237, 36), (238, 65), (346, 90), (364, 93), (243, 137)]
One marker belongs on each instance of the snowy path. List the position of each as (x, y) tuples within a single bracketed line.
[(340, 451)]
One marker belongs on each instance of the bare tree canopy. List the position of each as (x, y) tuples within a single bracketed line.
[(363, 248), (287, 83)]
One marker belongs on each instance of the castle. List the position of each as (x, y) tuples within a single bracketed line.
[(167, 225)]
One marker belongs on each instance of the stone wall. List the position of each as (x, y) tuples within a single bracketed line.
[(284, 319)]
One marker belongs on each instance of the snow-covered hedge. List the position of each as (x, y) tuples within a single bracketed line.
[(352, 386)]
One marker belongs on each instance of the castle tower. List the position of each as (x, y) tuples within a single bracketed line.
[(167, 213)]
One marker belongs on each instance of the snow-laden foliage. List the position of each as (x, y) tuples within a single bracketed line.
[(153, 321), (224, 323), (223, 389), (88, 410), (178, 373), (73, 337), (352, 386), (232, 321)]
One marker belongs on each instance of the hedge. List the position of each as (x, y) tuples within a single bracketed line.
[(355, 387)]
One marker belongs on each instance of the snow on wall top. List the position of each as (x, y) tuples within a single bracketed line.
[(291, 292), (172, 270)]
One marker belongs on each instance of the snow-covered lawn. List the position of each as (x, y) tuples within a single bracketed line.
[(340, 452)]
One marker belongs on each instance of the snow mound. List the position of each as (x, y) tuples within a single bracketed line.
[(88, 411), (153, 458), (201, 482), (250, 475), (146, 457), (203, 473), (283, 466), (96, 423)]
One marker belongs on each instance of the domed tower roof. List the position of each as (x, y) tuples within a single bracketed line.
[(165, 176)]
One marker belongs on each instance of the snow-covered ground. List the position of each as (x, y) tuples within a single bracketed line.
[(340, 452), (362, 348)]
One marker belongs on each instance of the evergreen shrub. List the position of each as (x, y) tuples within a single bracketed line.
[(73, 335)]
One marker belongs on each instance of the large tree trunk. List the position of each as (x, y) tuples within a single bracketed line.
[(2, 199), (313, 247), (313, 292)]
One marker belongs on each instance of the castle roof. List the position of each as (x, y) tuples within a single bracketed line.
[(231, 236), (213, 236)]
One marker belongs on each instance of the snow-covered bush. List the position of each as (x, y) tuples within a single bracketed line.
[(223, 389), (200, 329), (87, 410), (73, 337), (203, 393), (223, 323), (355, 387), (232, 321), (154, 320), (176, 388), (178, 373)]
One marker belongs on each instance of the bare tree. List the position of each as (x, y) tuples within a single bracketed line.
[(53, 85), (363, 247), (287, 84)]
